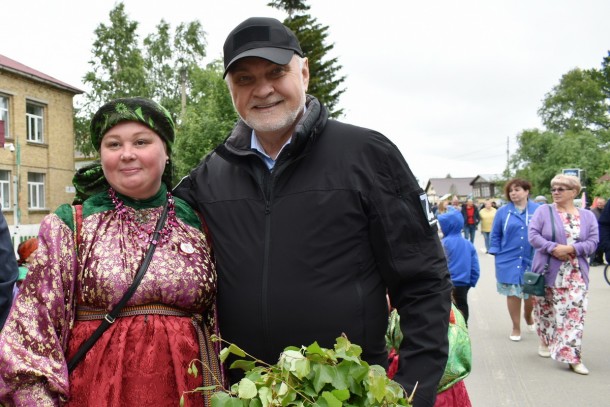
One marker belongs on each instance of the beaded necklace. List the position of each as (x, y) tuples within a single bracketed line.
[(138, 223)]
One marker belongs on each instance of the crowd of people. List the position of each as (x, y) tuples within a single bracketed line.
[(559, 240), (297, 229)]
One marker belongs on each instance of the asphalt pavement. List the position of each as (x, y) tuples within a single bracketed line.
[(507, 373)]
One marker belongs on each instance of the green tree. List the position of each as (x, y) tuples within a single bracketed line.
[(161, 68), (170, 62), (117, 71), (605, 76), (543, 154), (576, 117), (577, 103), (118, 65), (324, 82), (208, 119)]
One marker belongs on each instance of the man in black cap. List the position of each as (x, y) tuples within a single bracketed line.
[(313, 221)]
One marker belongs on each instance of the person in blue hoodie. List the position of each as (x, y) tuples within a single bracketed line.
[(462, 259)]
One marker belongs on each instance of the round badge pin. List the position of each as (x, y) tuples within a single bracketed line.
[(187, 248)]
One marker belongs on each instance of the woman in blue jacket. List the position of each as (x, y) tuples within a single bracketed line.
[(510, 245)]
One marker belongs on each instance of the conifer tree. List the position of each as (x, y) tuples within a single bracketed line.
[(325, 82)]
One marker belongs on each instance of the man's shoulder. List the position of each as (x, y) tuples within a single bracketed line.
[(352, 137)]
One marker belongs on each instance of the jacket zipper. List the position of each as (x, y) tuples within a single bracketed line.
[(269, 181), (268, 193)]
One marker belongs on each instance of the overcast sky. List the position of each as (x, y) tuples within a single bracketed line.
[(450, 82)]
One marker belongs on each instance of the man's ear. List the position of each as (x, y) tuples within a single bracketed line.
[(305, 73)]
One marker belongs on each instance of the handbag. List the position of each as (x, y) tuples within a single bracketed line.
[(110, 317), (533, 283)]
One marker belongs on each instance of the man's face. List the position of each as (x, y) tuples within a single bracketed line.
[(270, 98), (601, 202)]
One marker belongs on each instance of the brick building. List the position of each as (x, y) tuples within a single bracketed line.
[(36, 142)]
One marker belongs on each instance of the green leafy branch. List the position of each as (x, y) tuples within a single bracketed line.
[(309, 376)]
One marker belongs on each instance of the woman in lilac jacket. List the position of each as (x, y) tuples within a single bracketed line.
[(561, 312)]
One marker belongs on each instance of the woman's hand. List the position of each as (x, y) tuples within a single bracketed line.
[(563, 252)]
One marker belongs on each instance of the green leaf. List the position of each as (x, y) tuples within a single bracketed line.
[(295, 362), (377, 383), (220, 399), (323, 374), (314, 348), (264, 393), (331, 399), (347, 350), (246, 389), (243, 364), (283, 390), (236, 350), (255, 403), (341, 395), (357, 372), (224, 354)]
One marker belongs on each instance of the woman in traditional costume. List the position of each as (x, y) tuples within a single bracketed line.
[(86, 261)]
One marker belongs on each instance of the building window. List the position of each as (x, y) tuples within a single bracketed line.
[(486, 192), (34, 118), (4, 123), (5, 189), (35, 190)]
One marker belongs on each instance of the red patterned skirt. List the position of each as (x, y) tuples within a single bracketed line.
[(139, 361)]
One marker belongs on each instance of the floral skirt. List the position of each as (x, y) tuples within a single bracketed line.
[(561, 316)]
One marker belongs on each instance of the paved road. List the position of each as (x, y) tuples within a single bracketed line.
[(507, 373)]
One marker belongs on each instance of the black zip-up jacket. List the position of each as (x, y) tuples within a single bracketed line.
[(307, 251)]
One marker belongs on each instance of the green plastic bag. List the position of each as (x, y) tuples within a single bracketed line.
[(459, 362)]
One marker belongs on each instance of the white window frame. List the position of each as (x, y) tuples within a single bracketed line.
[(5, 189), (4, 105), (36, 190), (34, 122)]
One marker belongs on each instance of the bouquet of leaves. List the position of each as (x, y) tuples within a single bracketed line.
[(309, 376)]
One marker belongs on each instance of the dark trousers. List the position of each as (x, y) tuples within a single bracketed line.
[(597, 257), (460, 296), (469, 231)]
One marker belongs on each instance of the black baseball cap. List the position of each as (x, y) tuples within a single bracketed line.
[(261, 37)]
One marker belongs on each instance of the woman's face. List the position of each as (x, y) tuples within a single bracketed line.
[(517, 194), (133, 159), (562, 194)]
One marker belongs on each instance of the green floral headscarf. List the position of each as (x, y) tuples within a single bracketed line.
[(134, 109), (90, 179)]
